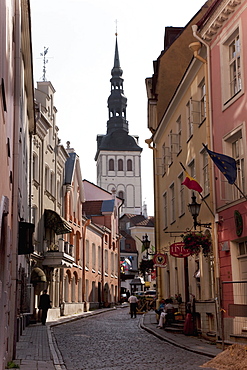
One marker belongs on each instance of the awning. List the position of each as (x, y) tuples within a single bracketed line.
[(56, 222), (38, 275)]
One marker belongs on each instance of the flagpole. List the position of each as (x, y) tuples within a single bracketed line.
[(199, 193), (240, 190)]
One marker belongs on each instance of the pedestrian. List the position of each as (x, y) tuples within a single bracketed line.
[(161, 307), (167, 315), (133, 303), (44, 305)]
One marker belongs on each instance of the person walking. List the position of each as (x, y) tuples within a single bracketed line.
[(133, 303), (44, 305)]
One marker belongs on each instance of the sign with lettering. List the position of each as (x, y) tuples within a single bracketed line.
[(178, 250)]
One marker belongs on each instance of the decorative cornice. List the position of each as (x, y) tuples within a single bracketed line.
[(219, 17)]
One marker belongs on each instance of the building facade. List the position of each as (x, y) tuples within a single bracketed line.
[(222, 33), (179, 120)]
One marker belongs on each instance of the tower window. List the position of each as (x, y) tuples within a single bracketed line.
[(120, 165), (111, 164), (129, 165), (121, 194)]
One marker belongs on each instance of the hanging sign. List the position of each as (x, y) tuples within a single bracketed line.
[(178, 250), (160, 260)]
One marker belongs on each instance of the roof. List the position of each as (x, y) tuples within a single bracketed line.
[(98, 207), (139, 220), (70, 168)]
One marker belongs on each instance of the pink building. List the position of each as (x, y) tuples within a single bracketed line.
[(223, 31)]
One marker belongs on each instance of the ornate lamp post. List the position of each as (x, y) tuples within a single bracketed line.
[(194, 209)]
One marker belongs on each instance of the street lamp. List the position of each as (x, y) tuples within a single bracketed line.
[(194, 209)]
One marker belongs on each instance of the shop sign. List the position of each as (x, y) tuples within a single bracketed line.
[(160, 260), (178, 250)]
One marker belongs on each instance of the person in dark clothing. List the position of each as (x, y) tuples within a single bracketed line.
[(44, 305)]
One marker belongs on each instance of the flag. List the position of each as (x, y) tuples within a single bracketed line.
[(227, 165), (191, 183)]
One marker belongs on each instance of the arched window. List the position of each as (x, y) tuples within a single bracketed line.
[(121, 194), (111, 164), (120, 165), (129, 165)]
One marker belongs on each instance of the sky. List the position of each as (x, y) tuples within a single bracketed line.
[(80, 37)]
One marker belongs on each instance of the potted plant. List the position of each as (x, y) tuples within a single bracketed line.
[(196, 241)]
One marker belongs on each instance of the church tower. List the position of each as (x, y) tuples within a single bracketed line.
[(118, 154)]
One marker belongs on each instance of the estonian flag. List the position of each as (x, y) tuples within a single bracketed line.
[(227, 165), (191, 183)]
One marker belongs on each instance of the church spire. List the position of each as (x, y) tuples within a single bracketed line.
[(117, 102)]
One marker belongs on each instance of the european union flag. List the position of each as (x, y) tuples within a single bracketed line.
[(227, 165)]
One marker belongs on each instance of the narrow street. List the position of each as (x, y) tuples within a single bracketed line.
[(115, 341)]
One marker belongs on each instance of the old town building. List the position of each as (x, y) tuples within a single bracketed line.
[(16, 124)]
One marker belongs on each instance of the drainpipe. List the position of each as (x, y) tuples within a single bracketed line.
[(210, 142), (157, 237)]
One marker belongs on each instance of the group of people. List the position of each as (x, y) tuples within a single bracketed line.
[(165, 312)]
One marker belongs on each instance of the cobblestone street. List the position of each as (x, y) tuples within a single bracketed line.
[(115, 341)]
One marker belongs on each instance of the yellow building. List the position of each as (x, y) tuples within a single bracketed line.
[(179, 119)]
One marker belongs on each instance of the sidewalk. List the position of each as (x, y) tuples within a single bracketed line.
[(36, 349), (193, 344)]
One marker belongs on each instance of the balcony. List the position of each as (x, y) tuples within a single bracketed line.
[(60, 254)]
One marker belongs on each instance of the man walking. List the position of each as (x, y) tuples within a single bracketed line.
[(44, 305), (133, 303)]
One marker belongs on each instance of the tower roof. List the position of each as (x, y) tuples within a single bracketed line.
[(117, 137)]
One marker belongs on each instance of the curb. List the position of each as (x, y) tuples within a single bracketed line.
[(162, 337)]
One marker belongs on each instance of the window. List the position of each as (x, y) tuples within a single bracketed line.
[(179, 131), (189, 120), (234, 65), (205, 171), (238, 154), (165, 210), (231, 69), (120, 165), (172, 203), (106, 261), (35, 167), (121, 194), (111, 164), (47, 178), (242, 248), (129, 165), (181, 195), (52, 189), (93, 256), (235, 148), (87, 253), (203, 105)]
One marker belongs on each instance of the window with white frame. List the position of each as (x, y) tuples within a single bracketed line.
[(179, 131), (235, 65), (231, 67), (189, 119), (129, 165), (235, 148), (203, 105), (172, 203), (165, 205), (205, 172), (112, 262), (47, 182), (181, 195), (87, 253)]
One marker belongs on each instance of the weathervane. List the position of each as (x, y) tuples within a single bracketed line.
[(116, 27), (45, 61)]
